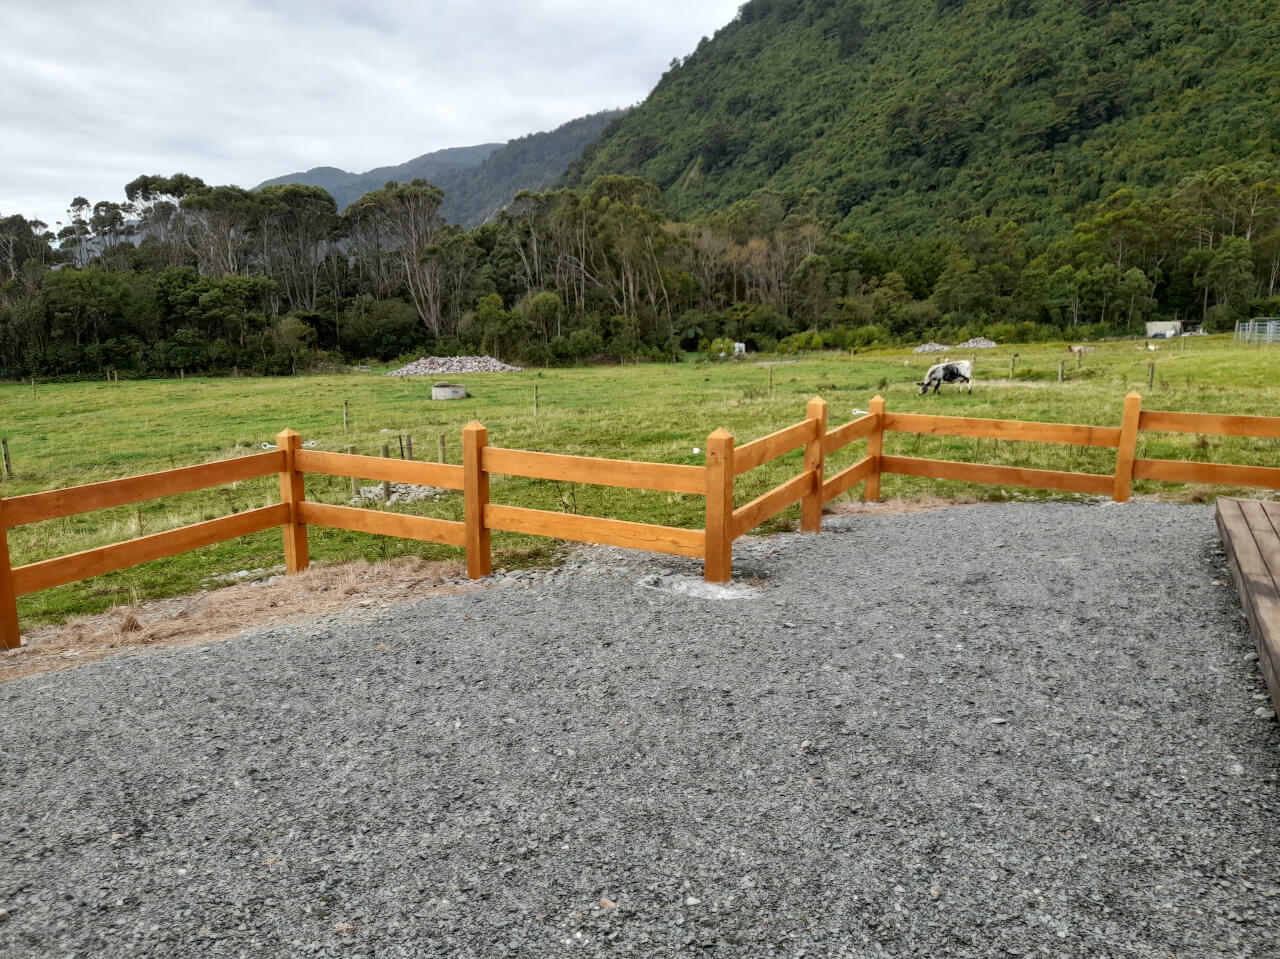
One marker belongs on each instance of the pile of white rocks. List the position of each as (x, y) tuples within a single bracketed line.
[(434, 365), (931, 348), (977, 343), (400, 493)]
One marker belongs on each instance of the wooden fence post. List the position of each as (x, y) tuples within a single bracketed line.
[(443, 457), (718, 561), (10, 634), (875, 449), (475, 493), (1128, 447), (814, 460), (293, 492), (386, 484)]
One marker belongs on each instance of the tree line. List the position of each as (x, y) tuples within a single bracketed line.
[(187, 276)]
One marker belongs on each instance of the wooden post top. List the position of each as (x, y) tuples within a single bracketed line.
[(815, 406), (475, 426), (286, 437), (721, 435), (877, 401)]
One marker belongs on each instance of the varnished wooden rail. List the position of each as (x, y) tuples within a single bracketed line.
[(1003, 429), (630, 474), (1096, 484), (37, 507), (758, 452), (715, 481), (593, 529), (107, 559), (415, 472)]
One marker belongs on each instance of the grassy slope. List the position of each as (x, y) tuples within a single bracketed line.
[(1026, 109), (85, 432)]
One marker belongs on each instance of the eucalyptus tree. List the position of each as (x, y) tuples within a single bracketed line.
[(408, 220), (156, 202), (296, 225), (219, 226)]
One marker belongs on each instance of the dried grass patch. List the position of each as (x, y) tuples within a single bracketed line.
[(221, 613), (896, 507)]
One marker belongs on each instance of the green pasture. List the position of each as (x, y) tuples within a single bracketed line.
[(68, 434)]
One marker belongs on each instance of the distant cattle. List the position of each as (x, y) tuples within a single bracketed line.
[(941, 373)]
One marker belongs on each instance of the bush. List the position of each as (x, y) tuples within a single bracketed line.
[(720, 348)]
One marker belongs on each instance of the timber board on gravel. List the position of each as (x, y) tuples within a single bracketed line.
[(982, 731)]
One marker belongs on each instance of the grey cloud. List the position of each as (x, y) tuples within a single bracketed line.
[(238, 91)]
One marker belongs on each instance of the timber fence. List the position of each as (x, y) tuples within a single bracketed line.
[(713, 544)]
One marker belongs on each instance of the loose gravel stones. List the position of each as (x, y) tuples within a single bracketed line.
[(1019, 730), (434, 365), (931, 348), (977, 343)]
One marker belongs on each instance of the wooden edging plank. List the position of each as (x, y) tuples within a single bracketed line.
[(1256, 586), (36, 507), (1219, 474), (417, 472), (1159, 421), (631, 474), (848, 478), (1025, 432), (997, 475), (840, 437), (758, 452), (592, 529), (1267, 539), (403, 525), (107, 559), (771, 503)]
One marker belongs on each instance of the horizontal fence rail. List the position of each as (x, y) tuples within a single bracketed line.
[(413, 472), (1003, 429), (714, 480), (593, 529), (629, 474), (55, 504)]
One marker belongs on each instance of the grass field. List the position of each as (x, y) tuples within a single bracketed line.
[(68, 434)]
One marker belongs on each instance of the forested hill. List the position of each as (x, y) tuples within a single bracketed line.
[(477, 181), (903, 115), (346, 188), (534, 162)]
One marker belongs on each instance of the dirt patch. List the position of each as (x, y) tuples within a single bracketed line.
[(896, 506), (221, 613)]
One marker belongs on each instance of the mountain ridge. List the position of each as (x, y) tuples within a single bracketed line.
[(477, 180)]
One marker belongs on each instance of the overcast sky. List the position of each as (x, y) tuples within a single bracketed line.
[(92, 94)]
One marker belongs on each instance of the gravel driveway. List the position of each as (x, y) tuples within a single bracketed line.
[(1023, 730)]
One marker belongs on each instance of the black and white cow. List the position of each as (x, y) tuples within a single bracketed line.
[(952, 372)]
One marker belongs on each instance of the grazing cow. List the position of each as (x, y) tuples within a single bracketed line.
[(941, 373)]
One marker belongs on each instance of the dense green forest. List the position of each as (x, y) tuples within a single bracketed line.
[(907, 115), (216, 278)]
